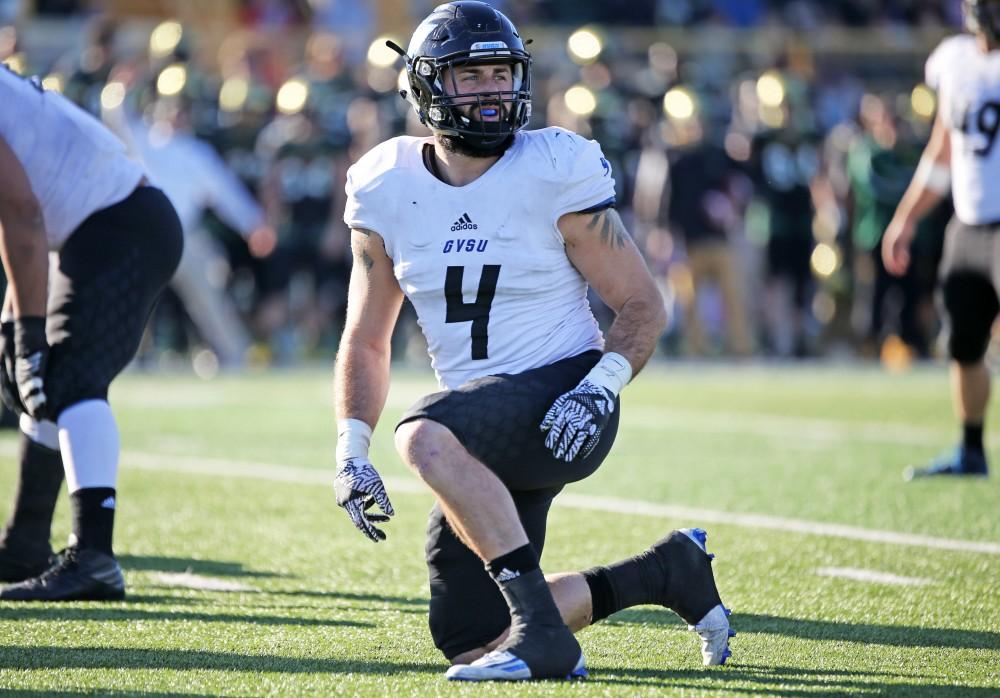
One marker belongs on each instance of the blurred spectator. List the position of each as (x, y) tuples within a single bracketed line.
[(195, 178), (352, 20), (785, 163), (89, 72), (705, 196), (880, 165), (303, 191)]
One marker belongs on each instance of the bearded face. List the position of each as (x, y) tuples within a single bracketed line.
[(480, 99)]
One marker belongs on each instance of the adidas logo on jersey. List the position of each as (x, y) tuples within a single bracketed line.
[(464, 223)]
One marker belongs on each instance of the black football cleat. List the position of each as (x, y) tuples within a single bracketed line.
[(18, 564), (80, 574), (691, 593), (539, 645)]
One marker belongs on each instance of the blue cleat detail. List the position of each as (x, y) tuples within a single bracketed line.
[(957, 462), (500, 665), (698, 535)]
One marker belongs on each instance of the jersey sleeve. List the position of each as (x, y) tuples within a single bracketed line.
[(361, 210), (369, 188), (586, 178), (937, 64)]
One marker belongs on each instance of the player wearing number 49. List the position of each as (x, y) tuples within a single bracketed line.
[(962, 158), (494, 234)]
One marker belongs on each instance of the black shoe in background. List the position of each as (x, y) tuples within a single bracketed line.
[(18, 563), (80, 574)]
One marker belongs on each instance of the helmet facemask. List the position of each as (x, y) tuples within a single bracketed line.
[(441, 105), (454, 36)]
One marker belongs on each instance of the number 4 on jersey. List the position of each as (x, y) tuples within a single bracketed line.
[(478, 313)]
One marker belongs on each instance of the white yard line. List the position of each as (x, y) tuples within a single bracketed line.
[(696, 516), (778, 426), (872, 576), (188, 580), (777, 523), (614, 505)]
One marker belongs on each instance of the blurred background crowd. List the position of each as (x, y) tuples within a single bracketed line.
[(759, 149)]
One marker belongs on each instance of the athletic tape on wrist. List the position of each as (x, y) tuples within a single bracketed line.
[(933, 176), (44, 433), (612, 372), (353, 439)]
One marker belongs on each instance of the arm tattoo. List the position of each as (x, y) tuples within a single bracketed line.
[(610, 227), (361, 254)]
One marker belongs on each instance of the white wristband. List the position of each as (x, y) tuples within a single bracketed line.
[(353, 438), (612, 372), (934, 176)]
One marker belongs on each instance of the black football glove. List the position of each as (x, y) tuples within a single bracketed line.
[(8, 385), (31, 355), (358, 487), (576, 419)]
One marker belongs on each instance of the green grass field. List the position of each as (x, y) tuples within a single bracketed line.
[(793, 471)]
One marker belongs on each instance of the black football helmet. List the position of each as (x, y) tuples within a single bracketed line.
[(461, 33), (983, 17)]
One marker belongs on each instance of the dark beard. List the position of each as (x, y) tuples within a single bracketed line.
[(459, 146)]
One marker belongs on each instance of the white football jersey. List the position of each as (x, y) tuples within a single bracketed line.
[(484, 264), (968, 85), (74, 164)]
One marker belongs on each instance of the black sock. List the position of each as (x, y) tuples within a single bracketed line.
[(41, 476), (675, 573), (633, 582), (972, 437), (93, 517), (513, 564), (524, 588)]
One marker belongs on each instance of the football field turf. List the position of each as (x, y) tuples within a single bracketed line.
[(244, 578)]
